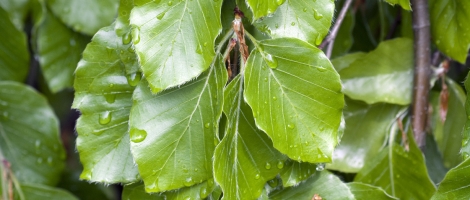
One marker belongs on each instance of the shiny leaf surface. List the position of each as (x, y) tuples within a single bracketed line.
[(364, 191), (456, 184), (263, 8), (466, 131), (283, 76), (33, 191), (166, 31), (245, 159), (17, 10), (294, 172), (103, 95)]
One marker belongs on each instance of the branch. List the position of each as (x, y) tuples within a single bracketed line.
[(422, 71), (330, 40)]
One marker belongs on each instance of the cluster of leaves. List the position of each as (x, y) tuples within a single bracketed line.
[(183, 99)]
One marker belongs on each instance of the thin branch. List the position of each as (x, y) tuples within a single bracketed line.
[(422, 55), (330, 40)]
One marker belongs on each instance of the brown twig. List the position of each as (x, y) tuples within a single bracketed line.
[(330, 39), (422, 57)]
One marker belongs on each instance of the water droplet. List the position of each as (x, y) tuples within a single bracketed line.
[(292, 24), (110, 51), (49, 161), (320, 167), (265, 102), (268, 165), (37, 144), (271, 61), (207, 125), (468, 117), (196, 169), (134, 78), (321, 69), (137, 135), (39, 160), (280, 2), (152, 187), (317, 15), (318, 39), (72, 42), (273, 183), (188, 181), (203, 192), (135, 35), (161, 15), (170, 3), (464, 142), (110, 98), (465, 155), (126, 38), (305, 9), (205, 44), (280, 165), (277, 25), (274, 98), (257, 176), (105, 117), (265, 79), (97, 132), (199, 49), (291, 126), (210, 183)]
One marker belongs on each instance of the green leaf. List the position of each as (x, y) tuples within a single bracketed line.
[(365, 191), (346, 60), (455, 184), (434, 163), (295, 172), (174, 133), (405, 4), (388, 79), (17, 10), (137, 191), (123, 18), (199, 191), (59, 50), (34, 191), (103, 95), (366, 129), (262, 8), (466, 131), (324, 184), (167, 31), (85, 16), (306, 20), (29, 135), (449, 133), (245, 159), (450, 24), (400, 173), (14, 59), (296, 98)]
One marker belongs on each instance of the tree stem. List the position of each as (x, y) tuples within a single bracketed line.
[(422, 69), (330, 40)]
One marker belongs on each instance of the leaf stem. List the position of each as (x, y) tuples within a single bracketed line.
[(422, 54), (330, 40)]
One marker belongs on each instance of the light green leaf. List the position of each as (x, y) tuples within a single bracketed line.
[(17, 10), (400, 173), (295, 172), (29, 135), (34, 191), (103, 95), (365, 191), (59, 50), (123, 19), (388, 79), (262, 8), (245, 159), (85, 16), (137, 191), (296, 98), (405, 4), (450, 24), (456, 184), (174, 40), (199, 191), (366, 129), (174, 133), (346, 60), (14, 59), (306, 20), (449, 133), (325, 184)]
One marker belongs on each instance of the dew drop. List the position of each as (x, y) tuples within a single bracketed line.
[(271, 61), (203, 192), (320, 167), (188, 182), (151, 187), (257, 176), (277, 25), (280, 165), (292, 24), (170, 3), (268, 165), (205, 44), (110, 98), (37, 144), (137, 135), (465, 155), (265, 79), (210, 183), (39, 160), (161, 15), (97, 132), (105, 117), (274, 98), (199, 49), (273, 183), (305, 9), (317, 15), (321, 69), (318, 39), (72, 42), (135, 35), (49, 161), (207, 125), (291, 126), (126, 38), (134, 78), (110, 51)]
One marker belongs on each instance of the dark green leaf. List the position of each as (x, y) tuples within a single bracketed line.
[(434, 163), (405, 4), (59, 50), (364, 191), (103, 95), (400, 173), (344, 40), (137, 191), (466, 132), (14, 59), (17, 10), (305, 20), (245, 159), (174, 40), (33, 191), (366, 129), (262, 8), (456, 184), (294, 172), (85, 16), (174, 133), (388, 79), (296, 98), (29, 135), (450, 24), (324, 184)]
